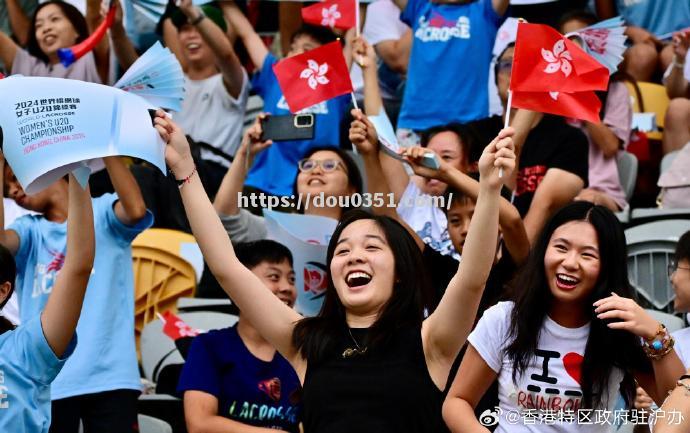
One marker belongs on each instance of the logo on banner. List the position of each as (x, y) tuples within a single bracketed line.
[(558, 60), (330, 16), (315, 280), (315, 74)]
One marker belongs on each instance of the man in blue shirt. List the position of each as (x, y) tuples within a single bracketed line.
[(33, 354), (275, 168), (233, 376), (449, 63), (100, 383)]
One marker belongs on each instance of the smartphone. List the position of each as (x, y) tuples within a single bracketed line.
[(289, 127)]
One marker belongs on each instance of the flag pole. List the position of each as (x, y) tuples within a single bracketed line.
[(359, 56), (506, 123), (354, 100)]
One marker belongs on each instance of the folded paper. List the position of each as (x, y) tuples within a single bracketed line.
[(52, 127)]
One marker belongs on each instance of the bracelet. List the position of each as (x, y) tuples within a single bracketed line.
[(182, 182), (659, 345), (676, 63)]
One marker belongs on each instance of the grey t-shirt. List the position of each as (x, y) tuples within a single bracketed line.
[(83, 69)]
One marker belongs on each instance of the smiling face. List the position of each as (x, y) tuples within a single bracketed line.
[(571, 262), (54, 30), (449, 147), (302, 44), (194, 49), (280, 278), (680, 280), (362, 268), (317, 180)]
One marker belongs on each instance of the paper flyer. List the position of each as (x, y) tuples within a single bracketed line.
[(389, 142), (307, 237), (52, 127)]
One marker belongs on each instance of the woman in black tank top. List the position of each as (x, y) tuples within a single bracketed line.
[(369, 362)]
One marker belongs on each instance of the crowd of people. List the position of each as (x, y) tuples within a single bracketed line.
[(506, 306)]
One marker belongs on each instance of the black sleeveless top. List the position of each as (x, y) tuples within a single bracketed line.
[(388, 389)]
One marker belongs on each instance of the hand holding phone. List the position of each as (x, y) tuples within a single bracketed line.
[(289, 127)]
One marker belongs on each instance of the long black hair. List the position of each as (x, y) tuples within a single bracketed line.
[(8, 272), (316, 337), (606, 348), (73, 16)]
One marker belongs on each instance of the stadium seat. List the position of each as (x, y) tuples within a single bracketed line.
[(654, 100), (149, 424), (650, 250), (627, 173), (159, 350), (161, 274), (672, 323)]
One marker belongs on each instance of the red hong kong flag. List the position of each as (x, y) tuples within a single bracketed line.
[(314, 76), (176, 328), (551, 74), (340, 14)]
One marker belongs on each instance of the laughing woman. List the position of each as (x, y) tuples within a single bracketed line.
[(369, 362), (570, 344)]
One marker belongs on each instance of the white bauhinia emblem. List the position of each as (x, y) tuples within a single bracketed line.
[(315, 74), (330, 15), (559, 59)]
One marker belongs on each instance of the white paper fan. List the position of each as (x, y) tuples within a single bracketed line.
[(157, 77), (605, 41)]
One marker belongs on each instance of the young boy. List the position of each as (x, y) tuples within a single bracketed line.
[(100, 383), (233, 377)]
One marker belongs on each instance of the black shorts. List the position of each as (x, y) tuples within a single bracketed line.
[(103, 412)]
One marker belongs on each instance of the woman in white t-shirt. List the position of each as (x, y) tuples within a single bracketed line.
[(570, 342)]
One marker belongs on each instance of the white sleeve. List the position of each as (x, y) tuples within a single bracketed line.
[(382, 22), (490, 335)]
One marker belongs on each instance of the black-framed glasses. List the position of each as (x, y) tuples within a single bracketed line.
[(673, 267), (327, 165)]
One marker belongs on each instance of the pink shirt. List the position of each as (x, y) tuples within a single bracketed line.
[(603, 171), (83, 69)]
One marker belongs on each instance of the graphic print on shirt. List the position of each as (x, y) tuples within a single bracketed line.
[(320, 108), (544, 392), (44, 276), (315, 281), (254, 411), (4, 392), (440, 29), (529, 178)]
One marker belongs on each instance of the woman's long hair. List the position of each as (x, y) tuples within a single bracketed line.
[(8, 273), (606, 348), (316, 337), (73, 16)]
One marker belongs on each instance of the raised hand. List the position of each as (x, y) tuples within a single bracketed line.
[(105, 7), (363, 134), (415, 155), (628, 315), (177, 153), (252, 143), (498, 156), (681, 44), (364, 52)]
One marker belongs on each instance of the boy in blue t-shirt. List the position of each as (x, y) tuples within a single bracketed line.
[(233, 376), (275, 168), (100, 384), (448, 72), (35, 352)]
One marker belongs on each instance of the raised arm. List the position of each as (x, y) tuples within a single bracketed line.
[(446, 330), (61, 314), (8, 238), (274, 320), (19, 21), (102, 51), (252, 42), (8, 49), (124, 50), (676, 84), (226, 202), (130, 207), (226, 59), (396, 53)]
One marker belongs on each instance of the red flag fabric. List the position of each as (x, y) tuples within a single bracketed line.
[(175, 328), (314, 76), (551, 74), (339, 14)]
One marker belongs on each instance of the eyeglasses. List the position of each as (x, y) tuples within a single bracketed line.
[(673, 267), (504, 66), (327, 165)]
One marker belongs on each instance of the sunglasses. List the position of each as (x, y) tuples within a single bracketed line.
[(327, 165)]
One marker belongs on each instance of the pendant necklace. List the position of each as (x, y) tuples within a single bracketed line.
[(357, 350)]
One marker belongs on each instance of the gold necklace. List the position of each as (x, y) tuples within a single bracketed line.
[(357, 350)]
